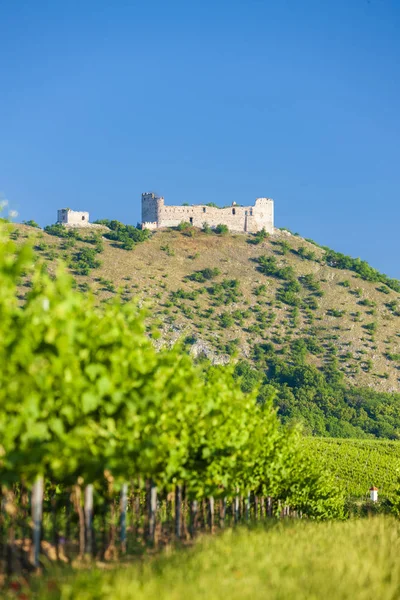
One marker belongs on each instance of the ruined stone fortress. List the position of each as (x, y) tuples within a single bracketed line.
[(240, 219), (75, 218), (244, 219)]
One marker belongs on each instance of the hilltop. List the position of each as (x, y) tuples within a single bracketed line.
[(275, 304)]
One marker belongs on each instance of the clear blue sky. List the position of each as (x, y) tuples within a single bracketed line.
[(207, 101)]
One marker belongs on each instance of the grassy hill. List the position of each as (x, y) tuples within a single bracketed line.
[(279, 305)]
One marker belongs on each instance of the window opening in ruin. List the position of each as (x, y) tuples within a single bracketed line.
[(233, 211), (204, 209), (83, 218), (251, 212), (191, 220)]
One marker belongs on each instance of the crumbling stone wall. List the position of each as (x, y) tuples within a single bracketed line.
[(156, 214), (76, 218)]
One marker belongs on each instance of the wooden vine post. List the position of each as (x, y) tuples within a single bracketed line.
[(123, 509), (88, 508), (222, 513), (211, 513), (178, 511)]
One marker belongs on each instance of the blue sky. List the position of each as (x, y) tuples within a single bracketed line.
[(207, 101)]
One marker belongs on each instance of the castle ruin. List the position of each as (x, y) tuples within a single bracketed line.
[(73, 218), (240, 219)]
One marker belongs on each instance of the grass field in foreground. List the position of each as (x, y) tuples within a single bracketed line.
[(295, 560), (358, 464)]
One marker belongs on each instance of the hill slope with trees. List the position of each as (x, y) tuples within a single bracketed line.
[(320, 327)]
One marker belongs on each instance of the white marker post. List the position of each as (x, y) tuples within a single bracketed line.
[(37, 513), (373, 494)]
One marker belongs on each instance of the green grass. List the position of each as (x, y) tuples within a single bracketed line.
[(296, 560), (358, 464)]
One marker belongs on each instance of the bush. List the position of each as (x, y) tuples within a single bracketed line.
[(305, 254), (371, 327), (168, 250), (226, 320), (268, 265), (84, 260), (333, 312), (204, 275), (361, 267), (221, 229), (122, 233), (183, 226), (31, 223), (259, 237)]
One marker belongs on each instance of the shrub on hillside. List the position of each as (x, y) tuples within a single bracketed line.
[(222, 229), (125, 235), (31, 223), (204, 275), (258, 237), (361, 267)]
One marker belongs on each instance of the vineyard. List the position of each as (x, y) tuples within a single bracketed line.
[(358, 464), (94, 413)]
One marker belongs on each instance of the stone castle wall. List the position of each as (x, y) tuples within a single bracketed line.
[(237, 218), (77, 218)]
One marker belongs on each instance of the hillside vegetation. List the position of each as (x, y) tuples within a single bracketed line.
[(322, 328), (359, 464)]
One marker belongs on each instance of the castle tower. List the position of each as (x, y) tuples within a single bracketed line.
[(151, 206)]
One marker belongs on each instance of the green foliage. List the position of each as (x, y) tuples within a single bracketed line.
[(361, 267), (221, 229), (206, 228), (59, 230), (284, 247), (268, 265), (320, 400), (83, 390), (84, 260), (226, 320), (310, 283), (335, 312), (168, 250), (305, 253), (31, 223), (359, 464), (204, 275), (181, 293), (184, 226), (371, 327), (225, 292), (259, 237), (126, 235)]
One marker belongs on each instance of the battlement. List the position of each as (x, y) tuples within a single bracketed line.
[(245, 219)]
